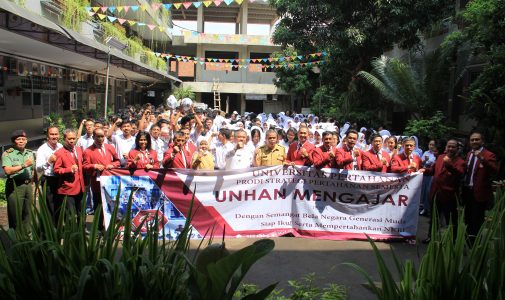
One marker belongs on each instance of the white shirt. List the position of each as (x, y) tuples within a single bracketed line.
[(123, 146), (85, 141), (240, 159), (222, 152), (43, 154), (160, 146)]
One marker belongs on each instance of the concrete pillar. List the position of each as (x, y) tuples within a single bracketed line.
[(200, 25), (242, 103), (199, 67), (244, 8)]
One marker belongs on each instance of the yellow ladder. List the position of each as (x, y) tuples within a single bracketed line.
[(217, 94)]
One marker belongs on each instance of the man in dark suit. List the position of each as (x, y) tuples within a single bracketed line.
[(97, 158), (68, 168), (376, 159), (477, 193), (447, 172)]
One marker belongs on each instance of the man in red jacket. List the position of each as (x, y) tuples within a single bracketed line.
[(300, 153), (447, 172), (407, 162), (177, 156), (375, 159), (97, 158), (349, 157), (68, 168), (324, 156), (477, 191)]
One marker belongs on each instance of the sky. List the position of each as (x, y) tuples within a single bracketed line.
[(222, 28)]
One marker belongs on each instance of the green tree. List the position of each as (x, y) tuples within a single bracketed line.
[(419, 90), (483, 33), (353, 32), (299, 80)]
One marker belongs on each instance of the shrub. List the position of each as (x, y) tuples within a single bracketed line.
[(451, 267), (65, 262)]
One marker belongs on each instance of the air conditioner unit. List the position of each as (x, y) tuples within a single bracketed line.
[(22, 68), (73, 100)]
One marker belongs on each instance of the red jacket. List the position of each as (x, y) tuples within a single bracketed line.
[(344, 158), (93, 156), (178, 160), (400, 163), (321, 157), (151, 158), (69, 183), (446, 178), (294, 154), (482, 174), (372, 163)]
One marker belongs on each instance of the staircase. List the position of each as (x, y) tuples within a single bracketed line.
[(217, 94)]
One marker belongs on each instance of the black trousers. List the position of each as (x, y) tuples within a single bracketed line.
[(72, 208), (474, 211), (51, 183), (447, 212)]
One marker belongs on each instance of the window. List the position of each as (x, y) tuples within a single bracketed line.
[(27, 99)]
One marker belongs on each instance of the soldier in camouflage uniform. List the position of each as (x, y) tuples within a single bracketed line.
[(18, 164)]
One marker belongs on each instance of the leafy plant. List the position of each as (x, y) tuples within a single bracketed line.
[(135, 46), (433, 128), (303, 289), (74, 13), (181, 92), (451, 267), (63, 261), (111, 30), (68, 120)]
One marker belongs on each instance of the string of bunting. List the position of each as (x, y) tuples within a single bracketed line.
[(167, 6), (291, 65)]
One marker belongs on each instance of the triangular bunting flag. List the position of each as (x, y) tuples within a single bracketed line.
[(214, 59), (207, 3), (248, 60), (218, 2), (157, 54), (121, 21), (228, 2), (226, 60), (120, 8), (201, 62), (141, 24), (90, 13), (161, 28), (167, 6), (299, 57), (209, 59), (264, 60), (195, 62), (131, 22), (101, 16), (324, 53), (232, 60), (239, 1), (111, 19), (95, 9), (177, 5), (318, 54), (197, 4), (103, 8), (313, 55), (143, 7), (135, 7), (126, 8), (156, 6), (112, 9), (187, 4), (270, 59)]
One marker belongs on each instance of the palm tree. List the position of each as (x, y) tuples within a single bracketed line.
[(398, 83)]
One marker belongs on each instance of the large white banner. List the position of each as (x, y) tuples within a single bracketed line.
[(274, 201)]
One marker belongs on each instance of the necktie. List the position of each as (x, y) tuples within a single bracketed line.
[(469, 172)]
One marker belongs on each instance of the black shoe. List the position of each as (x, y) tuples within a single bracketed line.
[(426, 241)]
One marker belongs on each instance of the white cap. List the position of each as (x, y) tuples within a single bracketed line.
[(235, 112)]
